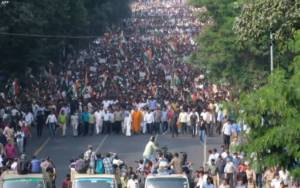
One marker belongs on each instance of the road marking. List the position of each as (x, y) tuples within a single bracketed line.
[(101, 143), (41, 147)]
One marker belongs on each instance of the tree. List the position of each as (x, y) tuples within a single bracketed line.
[(259, 18), (220, 52), (51, 18), (272, 113)]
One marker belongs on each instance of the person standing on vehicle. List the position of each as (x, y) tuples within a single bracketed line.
[(150, 149), (176, 164)]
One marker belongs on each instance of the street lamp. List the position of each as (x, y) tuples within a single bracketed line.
[(271, 52)]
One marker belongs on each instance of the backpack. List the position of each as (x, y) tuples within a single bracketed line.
[(99, 167), (193, 118), (22, 167)]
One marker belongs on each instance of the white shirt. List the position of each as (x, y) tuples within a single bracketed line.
[(106, 116), (29, 118), (149, 117), (226, 129), (275, 183), (98, 116), (132, 183), (51, 119), (183, 117), (207, 116), (229, 167), (74, 119), (111, 117)]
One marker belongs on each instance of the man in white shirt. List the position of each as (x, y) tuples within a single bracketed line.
[(29, 119), (51, 122), (99, 121), (75, 123), (226, 130), (208, 119), (183, 120), (194, 119), (276, 181), (230, 170)]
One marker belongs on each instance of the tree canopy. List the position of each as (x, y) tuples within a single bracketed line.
[(222, 54), (51, 17), (235, 48)]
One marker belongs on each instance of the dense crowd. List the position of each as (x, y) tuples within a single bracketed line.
[(132, 80)]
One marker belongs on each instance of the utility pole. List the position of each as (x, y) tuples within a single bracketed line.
[(271, 52)]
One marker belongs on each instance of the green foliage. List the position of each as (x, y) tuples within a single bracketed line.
[(259, 17), (221, 54), (273, 114), (52, 17)]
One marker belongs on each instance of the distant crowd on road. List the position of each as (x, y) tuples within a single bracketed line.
[(132, 80)]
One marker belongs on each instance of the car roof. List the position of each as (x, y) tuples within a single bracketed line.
[(77, 176), (7, 175), (166, 176)]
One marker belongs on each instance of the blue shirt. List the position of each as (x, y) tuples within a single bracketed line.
[(35, 166), (85, 117), (152, 104)]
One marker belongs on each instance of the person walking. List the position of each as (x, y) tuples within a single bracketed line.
[(149, 120), (202, 130), (183, 120), (51, 122), (92, 122), (174, 122), (99, 121), (127, 123), (226, 131), (85, 122), (62, 122), (137, 117), (40, 120), (119, 117), (194, 119), (75, 123)]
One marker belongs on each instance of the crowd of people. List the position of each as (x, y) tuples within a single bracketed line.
[(131, 80)]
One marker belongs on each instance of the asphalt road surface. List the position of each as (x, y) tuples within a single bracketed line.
[(130, 149)]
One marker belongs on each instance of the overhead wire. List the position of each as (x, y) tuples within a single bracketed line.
[(33, 35)]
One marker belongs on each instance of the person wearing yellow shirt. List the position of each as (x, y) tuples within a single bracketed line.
[(62, 122)]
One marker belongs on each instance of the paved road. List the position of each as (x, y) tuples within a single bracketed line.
[(129, 149)]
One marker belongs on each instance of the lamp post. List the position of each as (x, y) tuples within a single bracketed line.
[(271, 52)]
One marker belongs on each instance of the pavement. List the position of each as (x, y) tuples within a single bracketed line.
[(62, 149)]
